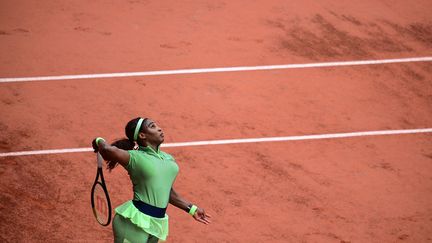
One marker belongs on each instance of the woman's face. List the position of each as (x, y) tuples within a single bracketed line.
[(153, 132)]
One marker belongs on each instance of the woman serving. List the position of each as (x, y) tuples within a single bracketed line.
[(152, 173)]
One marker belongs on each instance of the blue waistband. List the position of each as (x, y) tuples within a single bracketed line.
[(149, 209)]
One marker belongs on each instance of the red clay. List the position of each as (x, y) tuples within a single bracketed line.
[(375, 189)]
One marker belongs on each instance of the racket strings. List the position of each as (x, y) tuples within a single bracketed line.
[(101, 205)]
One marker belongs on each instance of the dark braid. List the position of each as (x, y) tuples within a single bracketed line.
[(125, 143)]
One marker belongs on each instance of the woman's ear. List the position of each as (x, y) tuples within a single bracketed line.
[(142, 135)]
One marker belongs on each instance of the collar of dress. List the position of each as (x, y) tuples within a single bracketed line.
[(150, 150)]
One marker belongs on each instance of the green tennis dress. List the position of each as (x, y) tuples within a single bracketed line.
[(152, 174)]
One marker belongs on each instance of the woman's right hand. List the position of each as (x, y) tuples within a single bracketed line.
[(95, 146)]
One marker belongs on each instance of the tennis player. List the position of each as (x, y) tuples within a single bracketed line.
[(152, 173)]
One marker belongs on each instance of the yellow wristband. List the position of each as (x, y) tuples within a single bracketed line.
[(98, 139), (193, 210)]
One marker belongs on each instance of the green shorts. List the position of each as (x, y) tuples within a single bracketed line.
[(127, 232)]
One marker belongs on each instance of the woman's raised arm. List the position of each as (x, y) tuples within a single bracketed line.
[(110, 153)]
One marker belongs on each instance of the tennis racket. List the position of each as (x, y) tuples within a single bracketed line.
[(100, 200)]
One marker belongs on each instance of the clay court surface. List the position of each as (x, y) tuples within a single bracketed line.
[(358, 189)]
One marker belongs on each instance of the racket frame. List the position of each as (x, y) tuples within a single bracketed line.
[(102, 184)]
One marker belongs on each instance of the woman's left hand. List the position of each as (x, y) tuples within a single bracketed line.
[(201, 216)]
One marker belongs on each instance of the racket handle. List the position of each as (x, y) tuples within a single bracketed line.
[(99, 160)]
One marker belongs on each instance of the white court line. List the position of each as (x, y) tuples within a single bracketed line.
[(215, 70), (237, 141)]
